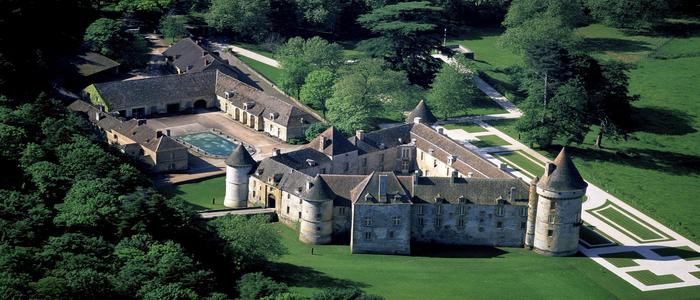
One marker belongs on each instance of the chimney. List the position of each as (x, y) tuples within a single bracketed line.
[(453, 176), (503, 166), (360, 134), (309, 185), (276, 152), (549, 168), (321, 142), (441, 130), (98, 116), (159, 134), (167, 132), (416, 120)]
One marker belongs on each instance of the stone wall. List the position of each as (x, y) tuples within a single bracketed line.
[(558, 223), (381, 228)]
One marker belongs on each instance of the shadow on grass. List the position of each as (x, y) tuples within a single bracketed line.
[(301, 276), (663, 161), (660, 120), (452, 251), (615, 45)]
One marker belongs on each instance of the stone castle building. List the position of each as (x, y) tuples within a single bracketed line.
[(386, 189)]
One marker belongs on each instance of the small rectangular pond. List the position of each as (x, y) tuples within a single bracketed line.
[(209, 142)]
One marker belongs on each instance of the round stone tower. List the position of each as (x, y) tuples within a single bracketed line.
[(559, 208), (238, 166), (316, 223)]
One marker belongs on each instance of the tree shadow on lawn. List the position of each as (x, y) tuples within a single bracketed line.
[(301, 276), (663, 161), (453, 251), (615, 45), (660, 120)]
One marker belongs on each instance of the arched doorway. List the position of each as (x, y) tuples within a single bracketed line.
[(271, 201), (201, 103)]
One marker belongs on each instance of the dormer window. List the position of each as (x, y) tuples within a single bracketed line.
[(368, 198), (273, 115), (228, 94), (451, 159)]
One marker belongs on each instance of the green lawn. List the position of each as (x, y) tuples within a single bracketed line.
[(481, 106), (199, 194), (473, 273), (684, 252), (271, 73), (632, 225), (521, 161), (649, 278), (623, 259), (594, 237), (468, 127), (489, 141), (658, 170)]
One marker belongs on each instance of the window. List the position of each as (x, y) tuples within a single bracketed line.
[(318, 216), (253, 194), (172, 155), (438, 222), (299, 215), (341, 210), (420, 221), (522, 225), (346, 167), (368, 236), (391, 234), (460, 222), (364, 161), (438, 210), (405, 152), (405, 164), (552, 205), (499, 225), (300, 200), (287, 209), (523, 212), (397, 221), (289, 195), (434, 163), (368, 221), (419, 209), (323, 171), (550, 218), (550, 233), (462, 200), (499, 210), (421, 155), (462, 210)]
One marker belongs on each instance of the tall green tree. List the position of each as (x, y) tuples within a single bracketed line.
[(299, 57), (529, 21), (407, 32), (611, 109), (632, 14), (453, 90), (322, 14), (174, 26), (110, 38), (317, 89), (247, 18), (249, 240)]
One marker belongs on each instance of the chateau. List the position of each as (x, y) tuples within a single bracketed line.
[(410, 183)]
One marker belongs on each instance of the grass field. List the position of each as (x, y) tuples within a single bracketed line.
[(684, 252), (658, 170), (489, 141), (468, 127), (521, 161), (633, 225), (199, 194), (271, 73), (439, 273), (623, 259), (649, 278)]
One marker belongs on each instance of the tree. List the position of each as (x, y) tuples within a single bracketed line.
[(144, 7), (408, 33), (110, 38), (249, 240), (299, 57), (632, 14), (611, 110), (247, 18), (320, 13), (253, 286), (453, 90), (317, 88), (365, 91), (174, 26), (89, 204), (529, 21), (314, 130)]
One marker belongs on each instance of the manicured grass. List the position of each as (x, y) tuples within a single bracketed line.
[(199, 194), (468, 127), (696, 274), (507, 126), (271, 73), (632, 225), (684, 252), (489, 141), (604, 42), (521, 162), (649, 278), (481, 106), (593, 237), (623, 259), (439, 273)]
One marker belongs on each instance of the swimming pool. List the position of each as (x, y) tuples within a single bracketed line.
[(209, 142)]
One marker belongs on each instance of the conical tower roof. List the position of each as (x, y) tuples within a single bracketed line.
[(319, 191), (564, 177), (423, 112), (240, 158)]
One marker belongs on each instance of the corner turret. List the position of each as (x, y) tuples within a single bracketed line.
[(558, 221), (315, 225), (238, 166), (421, 114)]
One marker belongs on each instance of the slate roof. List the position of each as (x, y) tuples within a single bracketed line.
[(389, 137), (87, 63), (301, 159), (369, 192), (565, 176), (474, 190), (423, 111), (140, 134), (319, 191), (240, 158), (342, 185), (331, 142), (189, 57), (467, 161), (155, 90)]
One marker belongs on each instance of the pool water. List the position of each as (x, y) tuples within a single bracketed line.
[(209, 142)]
